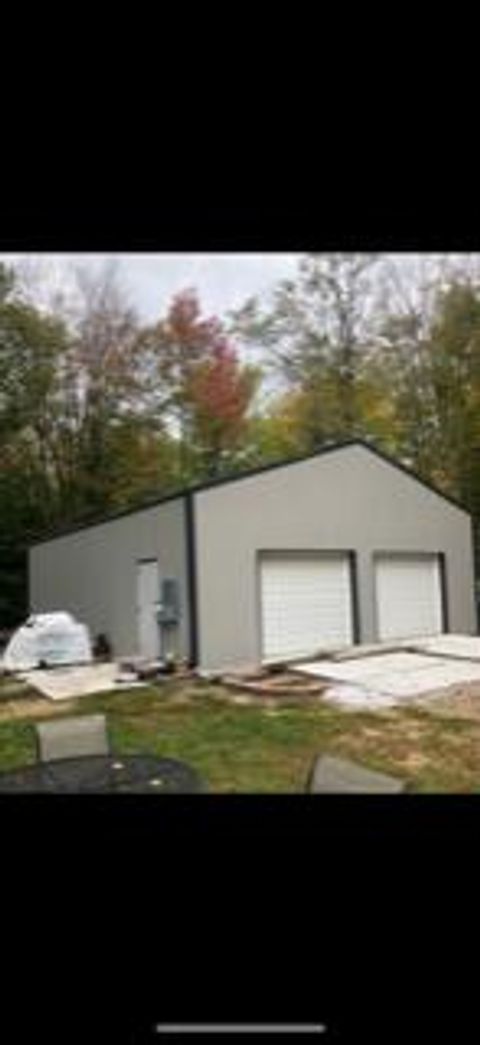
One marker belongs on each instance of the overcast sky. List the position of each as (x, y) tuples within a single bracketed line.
[(224, 281)]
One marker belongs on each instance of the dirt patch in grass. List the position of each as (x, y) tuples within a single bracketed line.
[(415, 761), (366, 732), (433, 753), (33, 707), (12, 688), (459, 702)]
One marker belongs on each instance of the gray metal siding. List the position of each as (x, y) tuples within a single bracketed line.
[(92, 573), (349, 499)]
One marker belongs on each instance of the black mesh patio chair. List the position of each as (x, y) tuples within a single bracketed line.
[(82, 735), (332, 775)]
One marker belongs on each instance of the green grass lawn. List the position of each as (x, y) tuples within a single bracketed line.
[(250, 749)]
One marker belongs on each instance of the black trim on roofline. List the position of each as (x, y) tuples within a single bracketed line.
[(199, 487), (89, 524)]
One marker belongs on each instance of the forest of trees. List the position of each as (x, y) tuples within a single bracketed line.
[(100, 411)]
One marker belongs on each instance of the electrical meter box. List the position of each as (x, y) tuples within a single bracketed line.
[(168, 607)]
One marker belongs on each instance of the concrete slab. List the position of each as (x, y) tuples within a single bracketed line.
[(465, 647), (81, 681), (401, 675), (451, 645), (358, 698), (368, 650)]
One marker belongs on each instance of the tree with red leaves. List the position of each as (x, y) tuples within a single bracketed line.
[(172, 348), (220, 392), (198, 385)]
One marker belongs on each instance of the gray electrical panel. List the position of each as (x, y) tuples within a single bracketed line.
[(168, 608)]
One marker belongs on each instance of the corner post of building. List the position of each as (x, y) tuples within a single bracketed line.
[(191, 552)]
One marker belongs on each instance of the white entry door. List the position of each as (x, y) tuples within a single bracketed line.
[(306, 603), (409, 596), (148, 594)]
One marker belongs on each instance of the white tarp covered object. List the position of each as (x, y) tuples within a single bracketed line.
[(47, 639)]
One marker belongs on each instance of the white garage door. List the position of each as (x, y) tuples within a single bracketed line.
[(409, 596), (306, 604)]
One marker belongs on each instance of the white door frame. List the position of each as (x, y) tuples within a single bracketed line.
[(148, 641)]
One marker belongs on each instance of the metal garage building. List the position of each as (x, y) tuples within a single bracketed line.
[(340, 547)]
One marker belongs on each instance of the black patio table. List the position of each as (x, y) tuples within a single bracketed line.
[(116, 774)]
